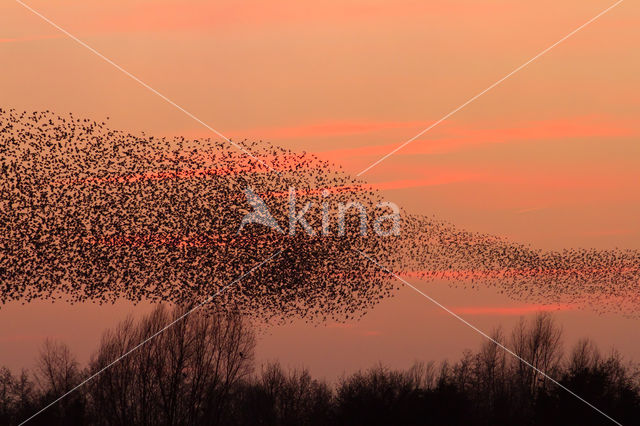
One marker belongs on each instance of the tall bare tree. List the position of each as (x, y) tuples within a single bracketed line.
[(57, 370), (539, 342), (182, 376)]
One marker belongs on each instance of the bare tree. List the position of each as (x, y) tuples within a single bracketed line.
[(182, 376), (294, 398), (423, 375), (491, 368), (7, 398), (57, 370), (539, 342), (16, 396), (584, 356)]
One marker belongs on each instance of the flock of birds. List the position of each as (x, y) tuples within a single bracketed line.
[(92, 213)]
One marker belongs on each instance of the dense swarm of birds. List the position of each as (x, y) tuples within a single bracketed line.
[(92, 213)]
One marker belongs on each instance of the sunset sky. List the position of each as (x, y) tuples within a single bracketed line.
[(550, 157)]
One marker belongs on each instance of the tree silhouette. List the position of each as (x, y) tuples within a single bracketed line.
[(201, 372), (185, 375)]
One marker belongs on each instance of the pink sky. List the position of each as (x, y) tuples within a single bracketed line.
[(550, 157)]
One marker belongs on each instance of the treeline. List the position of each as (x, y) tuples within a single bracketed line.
[(200, 371)]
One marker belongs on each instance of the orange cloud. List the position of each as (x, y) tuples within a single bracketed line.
[(462, 137), (462, 274), (329, 128), (320, 129), (441, 179), (447, 137), (511, 310)]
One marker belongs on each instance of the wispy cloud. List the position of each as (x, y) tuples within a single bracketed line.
[(511, 310), (457, 137)]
